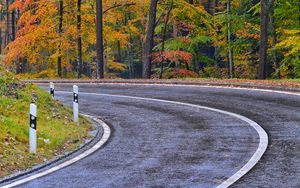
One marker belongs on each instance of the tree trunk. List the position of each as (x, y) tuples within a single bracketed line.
[(131, 56), (7, 24), (164, 38), (149, 42), (59, 58), (208, 6), (263, 40), (216, 9), (187, 66), (24, 65), (13, 25), (175, 31), (99, 33), (119, 55), (299, 11), (79, 39), (274, 42), (1, 41), (230, 51), (216, 52), (196, 62)]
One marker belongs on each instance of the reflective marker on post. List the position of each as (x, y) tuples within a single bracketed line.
[(32, 129), (52, 89), (75, 103)]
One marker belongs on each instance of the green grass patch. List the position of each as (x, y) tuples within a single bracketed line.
[(57, 134), (292, 80)]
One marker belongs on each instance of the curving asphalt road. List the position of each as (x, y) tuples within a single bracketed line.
[(167, 145)]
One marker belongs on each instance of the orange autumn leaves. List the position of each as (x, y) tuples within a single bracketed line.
[(36, 37), (175, 56)]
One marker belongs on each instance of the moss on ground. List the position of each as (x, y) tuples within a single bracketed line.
[(56, 132)]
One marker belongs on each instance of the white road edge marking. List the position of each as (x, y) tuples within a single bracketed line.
[(98, 145), (263, 136)]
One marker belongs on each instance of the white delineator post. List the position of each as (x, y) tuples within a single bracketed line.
[(75, 103), (32, 129), (52, 89)]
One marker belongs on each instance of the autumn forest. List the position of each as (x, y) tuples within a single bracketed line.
[(251, 39)]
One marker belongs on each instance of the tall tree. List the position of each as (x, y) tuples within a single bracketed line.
[(99, 33), (79, 38), (7, 40), (1, 19), (215, 12), (164, 37), (149, 41), (274, 40), (264, 20), (230, 51), (60, 25), (13, 23)]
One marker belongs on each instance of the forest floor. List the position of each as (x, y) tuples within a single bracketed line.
[(57, 134), (265, 84)]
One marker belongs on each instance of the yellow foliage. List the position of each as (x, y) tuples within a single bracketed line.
[(115, 66), (291, 42)]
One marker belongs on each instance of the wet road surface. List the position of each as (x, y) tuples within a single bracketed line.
[(166, 145)]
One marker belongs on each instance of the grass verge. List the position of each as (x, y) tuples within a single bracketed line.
[(57, 134)]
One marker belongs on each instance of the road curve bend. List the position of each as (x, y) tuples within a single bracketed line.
[(189, 142)]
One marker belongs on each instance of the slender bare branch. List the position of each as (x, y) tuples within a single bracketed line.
[(120, 5)]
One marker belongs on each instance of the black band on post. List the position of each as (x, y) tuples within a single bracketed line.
[(75, 97), (52, 91), (33, 122)]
